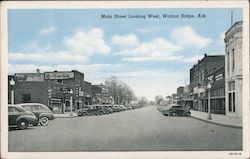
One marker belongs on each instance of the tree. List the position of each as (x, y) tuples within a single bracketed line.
[(119, 90), (142, 101), (158, 99)]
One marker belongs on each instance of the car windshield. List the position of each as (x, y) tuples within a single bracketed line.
[(21, 109)]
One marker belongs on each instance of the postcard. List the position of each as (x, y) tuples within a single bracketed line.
[(125, 79)]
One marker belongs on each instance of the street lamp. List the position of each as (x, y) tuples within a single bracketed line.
[(49, 94), (71, 101), (209, 105), (12, 83)]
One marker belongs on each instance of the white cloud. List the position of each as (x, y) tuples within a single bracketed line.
[(48, 31), (125, 40), (187, 36), (87, 43), (192, 59), (158, 49), (48, 57), (80, 47), (85, 68)]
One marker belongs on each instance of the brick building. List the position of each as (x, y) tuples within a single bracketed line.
[(87, 93), (233, 70), (198, 75), (38, 92), (74, 80), (217, 91)]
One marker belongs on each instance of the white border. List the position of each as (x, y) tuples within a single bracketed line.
[(123, 4)]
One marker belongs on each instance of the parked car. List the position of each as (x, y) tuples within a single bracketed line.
[(41, 111), (109, 109), (175, 110), (20, 117), (96, 110), (83, 112)]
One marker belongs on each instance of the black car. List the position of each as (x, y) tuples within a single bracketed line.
[(20, 117), (175, 110)]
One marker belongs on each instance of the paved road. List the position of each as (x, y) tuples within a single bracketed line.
[(140, 129)]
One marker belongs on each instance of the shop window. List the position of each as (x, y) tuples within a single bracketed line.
[(233, 59), (26, 97), (231, 102)]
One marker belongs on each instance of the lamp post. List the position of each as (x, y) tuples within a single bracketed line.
[(49, 94), (71, 101), (12, 83), (209, 105)]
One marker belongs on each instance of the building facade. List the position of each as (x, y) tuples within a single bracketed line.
[(198, 75), (217, 91), (74, 81), (233, 70), (39, 92)]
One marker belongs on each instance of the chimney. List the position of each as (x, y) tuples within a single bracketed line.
[(205, 55), (37, 71)]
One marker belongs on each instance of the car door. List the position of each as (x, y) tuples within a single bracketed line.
[(36, 110), (13, 114), (180, 111)]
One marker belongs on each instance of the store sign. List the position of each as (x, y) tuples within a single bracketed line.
[(58, 75), (219, 77), (65, 90)]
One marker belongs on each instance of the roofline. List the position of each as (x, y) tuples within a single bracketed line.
[(236, 23)]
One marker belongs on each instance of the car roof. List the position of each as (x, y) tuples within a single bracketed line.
[(173, 105), (40, 104)]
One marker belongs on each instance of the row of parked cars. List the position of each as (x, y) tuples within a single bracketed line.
[(174, 110), (25, 114), (103, 109)]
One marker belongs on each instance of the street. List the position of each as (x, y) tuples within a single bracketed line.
[(140, 129)]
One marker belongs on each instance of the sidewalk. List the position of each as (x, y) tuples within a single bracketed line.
[(218, 119), (65, 115)]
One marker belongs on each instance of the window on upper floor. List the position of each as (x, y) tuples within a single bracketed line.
[(233, 60), (228, 61)]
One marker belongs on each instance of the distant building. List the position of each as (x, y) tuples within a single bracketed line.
[(198, 75), (180, 91), (105, 95), (96, 94), (185, 99), (233, 70), (30, 76), (87, 93)]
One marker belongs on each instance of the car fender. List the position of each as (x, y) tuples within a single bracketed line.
[(26, 117), (43, 115)]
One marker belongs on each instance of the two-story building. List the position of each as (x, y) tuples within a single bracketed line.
[(198, 75), (233, 70)]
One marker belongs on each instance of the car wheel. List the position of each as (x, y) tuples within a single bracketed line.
[(44, 121), (100, 113), (22, 124), (174, 114), (188, 114)]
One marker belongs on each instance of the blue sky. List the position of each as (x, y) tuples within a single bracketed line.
[(153, 55)]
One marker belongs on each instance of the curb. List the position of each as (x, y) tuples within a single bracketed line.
[(225, 125), (68, 116)]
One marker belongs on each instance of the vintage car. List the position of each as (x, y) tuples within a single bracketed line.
[(41, 111), (175, 110), (20, 117)]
